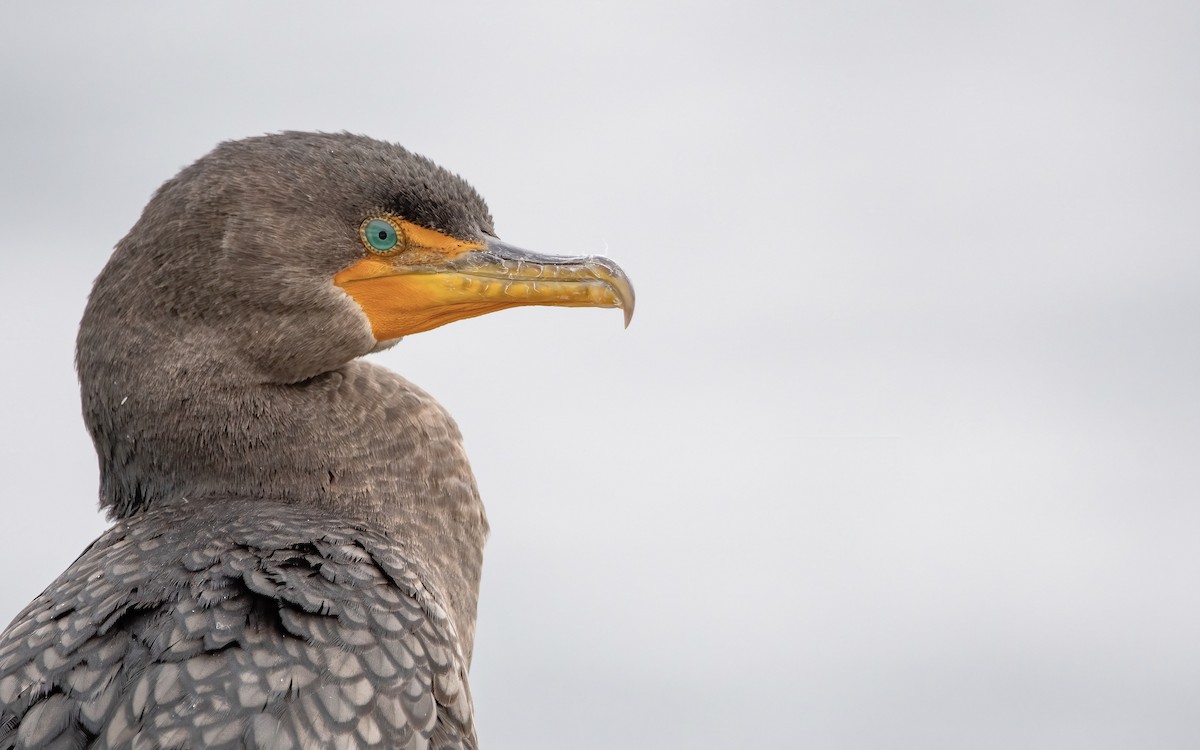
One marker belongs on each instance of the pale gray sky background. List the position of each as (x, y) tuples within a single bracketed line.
[(901, 448)]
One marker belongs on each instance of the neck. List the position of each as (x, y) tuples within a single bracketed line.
[(176, 421)]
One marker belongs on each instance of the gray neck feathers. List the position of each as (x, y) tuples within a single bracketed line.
[(180, 414)]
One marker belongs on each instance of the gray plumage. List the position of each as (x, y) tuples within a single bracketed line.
[(298, 541), (261, 626)]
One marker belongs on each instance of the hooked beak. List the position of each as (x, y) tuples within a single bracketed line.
[(417, 291)]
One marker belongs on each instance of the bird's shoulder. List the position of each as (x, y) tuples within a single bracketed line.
[(236, 625)]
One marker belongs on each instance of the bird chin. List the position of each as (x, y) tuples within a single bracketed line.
[(385, 345)]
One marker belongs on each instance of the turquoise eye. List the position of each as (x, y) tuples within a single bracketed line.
[(380, 235)]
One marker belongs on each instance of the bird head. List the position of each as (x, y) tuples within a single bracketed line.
[(301, 251)]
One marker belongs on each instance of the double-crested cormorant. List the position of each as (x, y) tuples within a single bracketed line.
[(295, 555)]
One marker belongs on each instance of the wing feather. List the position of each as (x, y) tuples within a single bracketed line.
[(267, 627)]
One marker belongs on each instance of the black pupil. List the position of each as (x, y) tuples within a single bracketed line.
[(383, 234)]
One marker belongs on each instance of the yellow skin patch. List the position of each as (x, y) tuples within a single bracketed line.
[(418, 243), (398, 303), (402, 304), (430, 279)]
